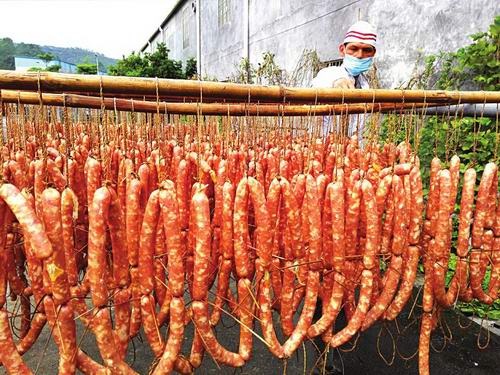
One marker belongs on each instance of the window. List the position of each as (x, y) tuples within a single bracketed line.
[(185, 27), (334, 62), (224, 12), (169, 37), (325, 64)]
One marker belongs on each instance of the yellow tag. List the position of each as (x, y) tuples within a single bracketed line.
[(54, 271), (267, 276), (213, 176), (75, 206)]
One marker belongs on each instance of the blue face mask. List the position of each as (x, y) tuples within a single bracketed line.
[(357, 66)]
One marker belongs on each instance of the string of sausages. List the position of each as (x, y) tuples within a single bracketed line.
[(183, 230)]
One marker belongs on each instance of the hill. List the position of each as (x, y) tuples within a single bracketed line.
[(73, 55)]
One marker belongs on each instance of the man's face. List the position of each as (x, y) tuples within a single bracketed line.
[(358, 50)]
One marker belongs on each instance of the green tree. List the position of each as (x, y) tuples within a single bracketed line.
[(86, 69), (51, 68), (156, 64), (131, 66), (191, 68), (7, 52), (47, 57), (475, 66), (161, 66)]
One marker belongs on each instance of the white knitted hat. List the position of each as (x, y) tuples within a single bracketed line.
[(362, 32)]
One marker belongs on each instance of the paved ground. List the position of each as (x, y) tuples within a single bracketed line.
[(458, 355)]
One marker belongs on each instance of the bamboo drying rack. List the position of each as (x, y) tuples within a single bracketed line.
[(202, 91)]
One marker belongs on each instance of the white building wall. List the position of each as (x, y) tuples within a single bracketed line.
[(222, 43)]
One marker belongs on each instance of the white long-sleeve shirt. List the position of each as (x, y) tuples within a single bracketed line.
[(326, 78)]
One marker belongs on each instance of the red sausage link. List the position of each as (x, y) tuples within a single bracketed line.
[(306, 316), (30, 223), (222, 289), (266, 317), (338, 224), (240, 225), (465, 218), (424, 344), (455, 177), (121, 299), (64, 332), (326, 230), (106, 343), (56, 264), (333, 306), (293, 218), (482, 204), (370, 258), (116, 225), (36, 325), (416, 206), (246, 314), (97, 263), (151, 326), (147, 243), (400, 217), (385, 298), (183, 193), (407, 282), (362, 308), (135, 303), (174, 342), (9, 356), (170, 212), (478, 262), (313, 213), (201, 213), (132, 220), (69, 212), (352, 218), (219, 353), (227, 221), (264, 239), (93, 173)]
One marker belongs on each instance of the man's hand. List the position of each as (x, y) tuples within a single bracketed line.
[(343, 83)]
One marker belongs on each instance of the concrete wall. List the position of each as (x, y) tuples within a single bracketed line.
[(222, 44), (288, 27), (407, 27)]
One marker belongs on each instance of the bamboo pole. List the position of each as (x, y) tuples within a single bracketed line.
[(57, 82), (234, 109)]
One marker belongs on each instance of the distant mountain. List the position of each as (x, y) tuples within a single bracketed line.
[(73, 55), (76, 55)]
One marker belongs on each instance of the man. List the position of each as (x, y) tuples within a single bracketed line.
[(358, 49)]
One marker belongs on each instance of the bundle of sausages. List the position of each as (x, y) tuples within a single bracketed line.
[(176, 230)]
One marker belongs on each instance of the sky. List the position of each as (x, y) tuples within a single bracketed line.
[(112, 27)]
